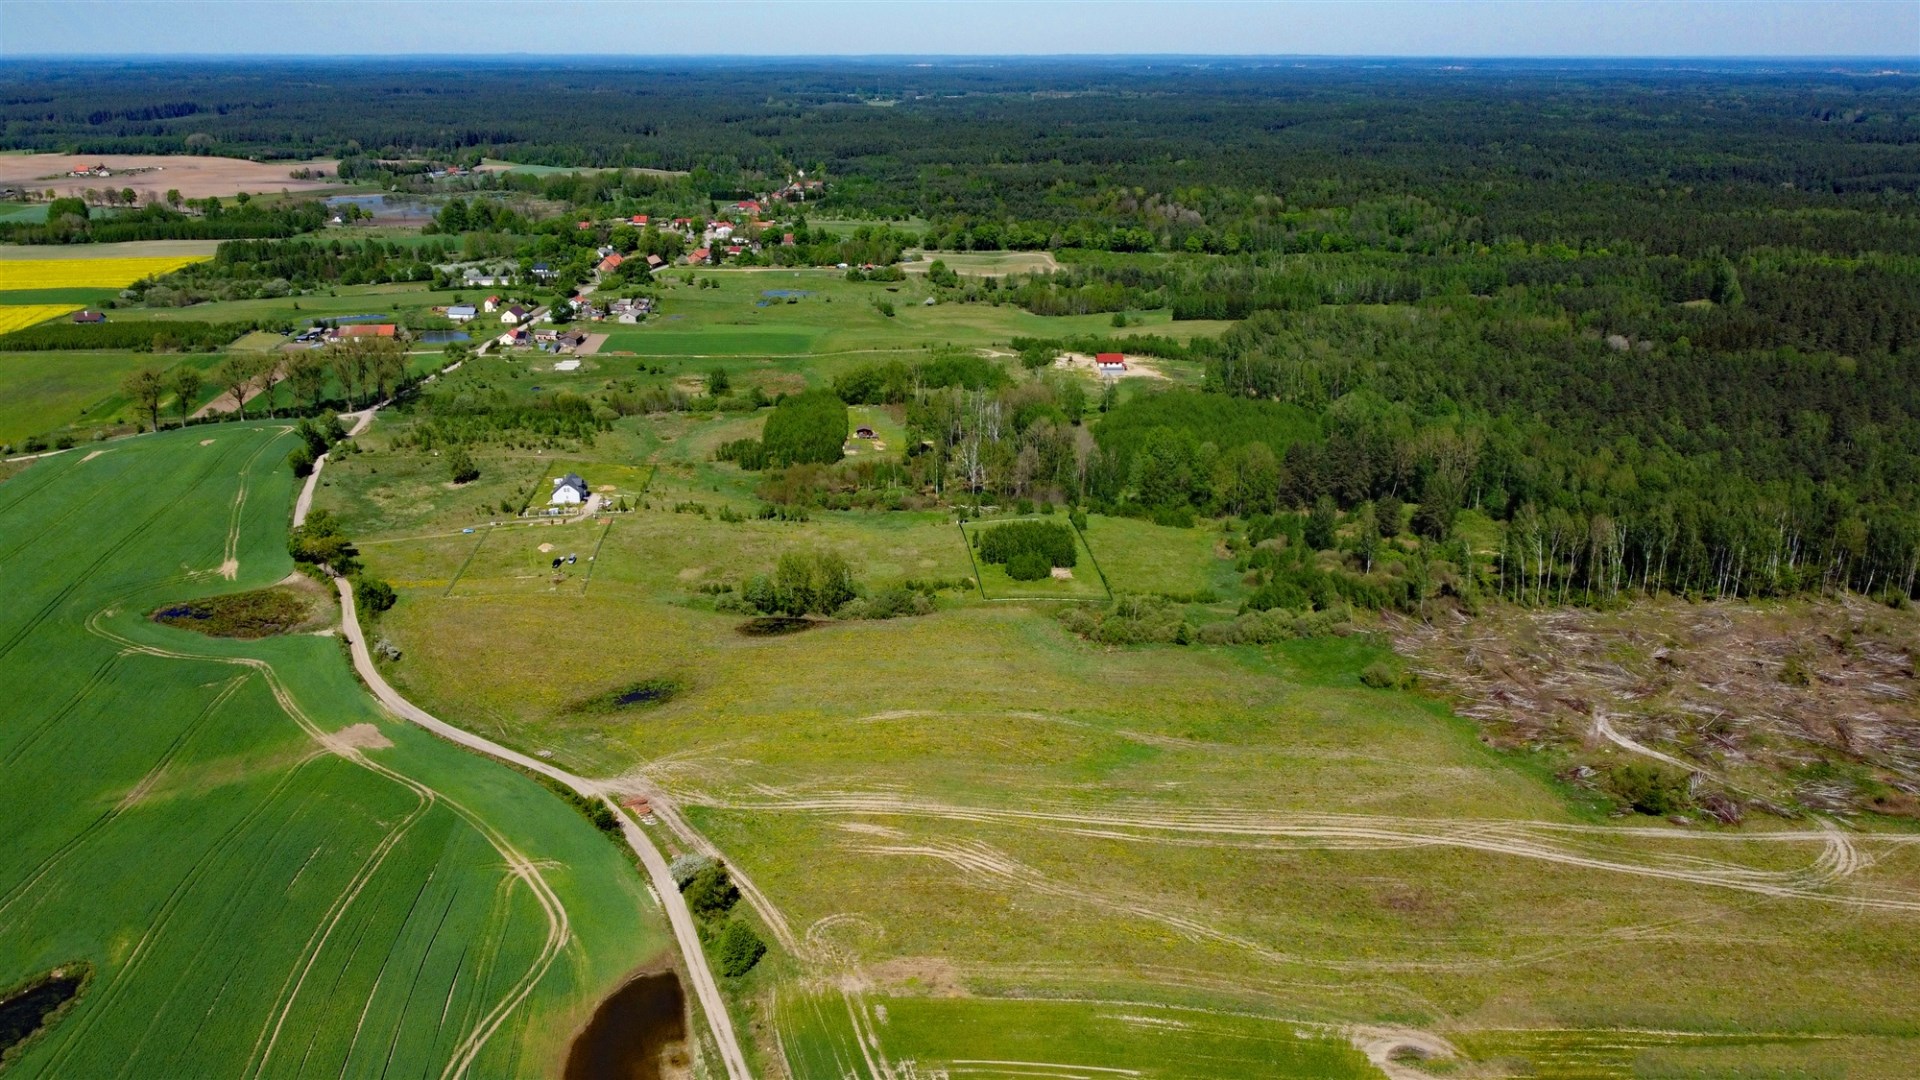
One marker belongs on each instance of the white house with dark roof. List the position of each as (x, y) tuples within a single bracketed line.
[(569, 490)]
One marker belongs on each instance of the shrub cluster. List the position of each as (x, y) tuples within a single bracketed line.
[(711, 895), (803, 583), (1028, 549), (594, 810)]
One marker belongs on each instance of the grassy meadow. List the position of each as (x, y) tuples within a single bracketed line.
[(982, 839), (262, 872)]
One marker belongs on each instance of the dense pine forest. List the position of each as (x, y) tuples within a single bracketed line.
[(1659, 324)]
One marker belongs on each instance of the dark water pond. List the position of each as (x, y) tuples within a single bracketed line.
[(639, 1033), (774, 625), (441, 337), (784, 293), (645, 695), (22, 1014), (385, 207)]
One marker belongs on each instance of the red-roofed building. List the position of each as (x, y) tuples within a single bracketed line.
[(586, 225), (1110, 363), (611, 263), (367, 330), (638, 219), (786, 240), (700, 255), (734, 249)]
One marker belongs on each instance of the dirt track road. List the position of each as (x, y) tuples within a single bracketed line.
[(678, 914)]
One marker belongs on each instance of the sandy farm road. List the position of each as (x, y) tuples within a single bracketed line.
[(698, 972), (195, 176)]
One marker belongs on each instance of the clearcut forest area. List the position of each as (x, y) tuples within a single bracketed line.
[(1070, 569)]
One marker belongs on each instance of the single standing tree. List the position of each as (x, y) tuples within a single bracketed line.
[(186, 382), (235, 375), (145, 387), (267, 371)]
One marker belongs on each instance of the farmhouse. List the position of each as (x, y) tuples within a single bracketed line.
[(461, 312), (639, 219), (1110, 363), (699, 256), (89, 317), (492, 305), (514, 315), (569, 490), (542, 271), (611, 263), (517, 336)]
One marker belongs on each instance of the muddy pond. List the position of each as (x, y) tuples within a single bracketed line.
[(637, 1033)]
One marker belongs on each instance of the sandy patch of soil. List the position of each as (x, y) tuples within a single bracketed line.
[(360, 737), (925, 976), (206, 442), (544, 548), (590, 346), (196, 177), (91, 456)]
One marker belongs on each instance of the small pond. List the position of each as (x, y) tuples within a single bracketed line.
[(23, 1013), (782, 294), (385, 207), (441, 337), (639, 1033)]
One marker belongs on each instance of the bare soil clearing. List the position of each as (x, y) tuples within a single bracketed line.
[(1138, 367), (195, 177), (1810, 705)]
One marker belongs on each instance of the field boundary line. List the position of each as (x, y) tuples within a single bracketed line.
[(1091, 557), (593, 560), (468, 561)]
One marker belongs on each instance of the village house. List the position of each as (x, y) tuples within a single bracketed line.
[(89, 317), (517, 336), (569, 490), (655, 262), (1110, 363), (700, 257), (543, 271), (461, 313), (514, 315), (638, 219), (492, 305), (611, 263)]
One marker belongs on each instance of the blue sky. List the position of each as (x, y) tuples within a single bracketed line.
[(1637, 28)]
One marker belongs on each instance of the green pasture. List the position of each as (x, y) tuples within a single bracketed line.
[(407, 301), (999, 1038), (839, 316), (871, 779), (42, 392), (255, 892), (1141, 557), (78, 296)]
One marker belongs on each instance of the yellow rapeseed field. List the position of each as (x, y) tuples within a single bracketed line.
[(87, 273), (15, 316)]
